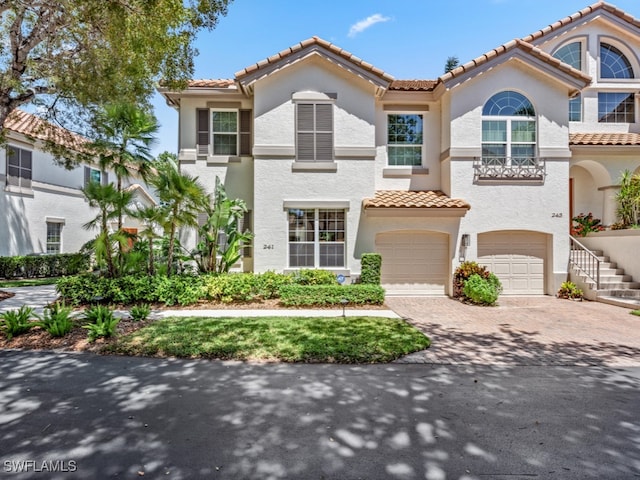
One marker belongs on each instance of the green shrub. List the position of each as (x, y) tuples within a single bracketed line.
[(16, 322), (464, 271), (35, 266), (320, 295), (140, 312), (371, 266), (569, 290), (315, 277), (101, 322), (269, 283), (57, 320), (482, 291)]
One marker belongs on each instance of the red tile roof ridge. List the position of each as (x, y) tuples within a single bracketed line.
[(604, 138), (211, 83), (413, 199), (315, 40)]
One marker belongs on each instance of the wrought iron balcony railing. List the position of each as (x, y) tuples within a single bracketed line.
[(509, 168)]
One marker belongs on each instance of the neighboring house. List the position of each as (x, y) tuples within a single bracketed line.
[(43, 207), (489, 162)]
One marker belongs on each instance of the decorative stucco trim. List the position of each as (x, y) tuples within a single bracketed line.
[(313, 96), (405, 108), (368, 153), (280, 151), (550, 153), (393, 172), (55, 220), (187, 154), (237, 105), (416, 212), (330, 167), (287, 204), (465, 153)]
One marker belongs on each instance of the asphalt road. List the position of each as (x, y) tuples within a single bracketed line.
[(68, 416)]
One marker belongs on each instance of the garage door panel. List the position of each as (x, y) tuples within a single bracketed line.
[(414, 262), (516, 258)]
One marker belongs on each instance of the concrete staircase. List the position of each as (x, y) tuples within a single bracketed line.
[(616, 288)]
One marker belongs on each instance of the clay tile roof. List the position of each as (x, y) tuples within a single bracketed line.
[(413, 85), (310, 42), (212, 83), (525, 46), (620, 139), (581, 14), (35, 127), (420, 199)]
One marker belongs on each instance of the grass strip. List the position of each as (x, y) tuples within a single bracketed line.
[(287, 339)]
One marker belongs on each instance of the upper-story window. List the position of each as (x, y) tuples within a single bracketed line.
[(314, 132), (613, 63), (223, 131), (95, 175), (404, 139), (616, 107), (571, 54), (19, 167), (508, 130), (575, 108)]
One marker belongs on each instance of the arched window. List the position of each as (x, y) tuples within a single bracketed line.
[(571, 54), (613, 63), (508, 130)]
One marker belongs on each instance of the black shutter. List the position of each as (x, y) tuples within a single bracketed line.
[(202, 130), (245, 132), (87, 176)]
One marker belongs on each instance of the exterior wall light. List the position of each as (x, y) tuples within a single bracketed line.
[(466, 240)]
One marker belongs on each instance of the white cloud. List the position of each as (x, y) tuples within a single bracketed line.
[(362, 25)]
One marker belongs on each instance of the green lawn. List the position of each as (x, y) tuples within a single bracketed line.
[(289, 339), (28, 282)]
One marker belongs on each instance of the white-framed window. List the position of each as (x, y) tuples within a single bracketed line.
[(616, 107), (571, 54), (54, 237), (316, 237), (575, 108), (19, 167), (613, 63), (223, 131), (508, 130), (95, 175), (314, 132), (404, 139)]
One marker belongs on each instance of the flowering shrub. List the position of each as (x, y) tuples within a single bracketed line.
[(584, 224)]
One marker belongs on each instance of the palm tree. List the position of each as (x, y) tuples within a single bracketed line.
[(152, 218), (109, 203), (182, 197), (451, 64), (126, 134)]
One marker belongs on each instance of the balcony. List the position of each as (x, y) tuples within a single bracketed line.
[(509, 169)]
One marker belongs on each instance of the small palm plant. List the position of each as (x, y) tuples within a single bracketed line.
[(101, 322), (16, 322)]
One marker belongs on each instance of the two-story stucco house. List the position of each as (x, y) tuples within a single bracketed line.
[(42, 204), (489, 162)]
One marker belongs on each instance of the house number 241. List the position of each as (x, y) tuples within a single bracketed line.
[(267, 247)]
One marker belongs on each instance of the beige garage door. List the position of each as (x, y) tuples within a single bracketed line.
[(414, 263), (517, 259)]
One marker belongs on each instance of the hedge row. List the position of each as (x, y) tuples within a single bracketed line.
[(38, 266), (317, 295), (236, 287)]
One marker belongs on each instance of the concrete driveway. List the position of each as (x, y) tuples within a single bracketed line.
[(523, 331)]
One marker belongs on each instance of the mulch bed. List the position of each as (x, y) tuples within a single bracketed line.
[(5, 295)]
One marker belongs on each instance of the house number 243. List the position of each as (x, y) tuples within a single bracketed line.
[(556, 215)]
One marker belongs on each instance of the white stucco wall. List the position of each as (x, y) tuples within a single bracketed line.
[(621, 246)]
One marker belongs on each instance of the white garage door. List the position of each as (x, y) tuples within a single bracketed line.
[(414, 263), (517, 259)]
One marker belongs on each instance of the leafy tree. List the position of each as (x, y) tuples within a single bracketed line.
[(451, 64), (220, 237), (109, 203), (182, 197), (64, 54)]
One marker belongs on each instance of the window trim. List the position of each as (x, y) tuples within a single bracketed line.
[(583, 50), (635, 107), (420, 165), (212, 133), (625, 52), (317, 242), (59, 224), (24, 183)]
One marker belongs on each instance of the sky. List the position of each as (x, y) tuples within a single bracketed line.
[(409, 39)]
